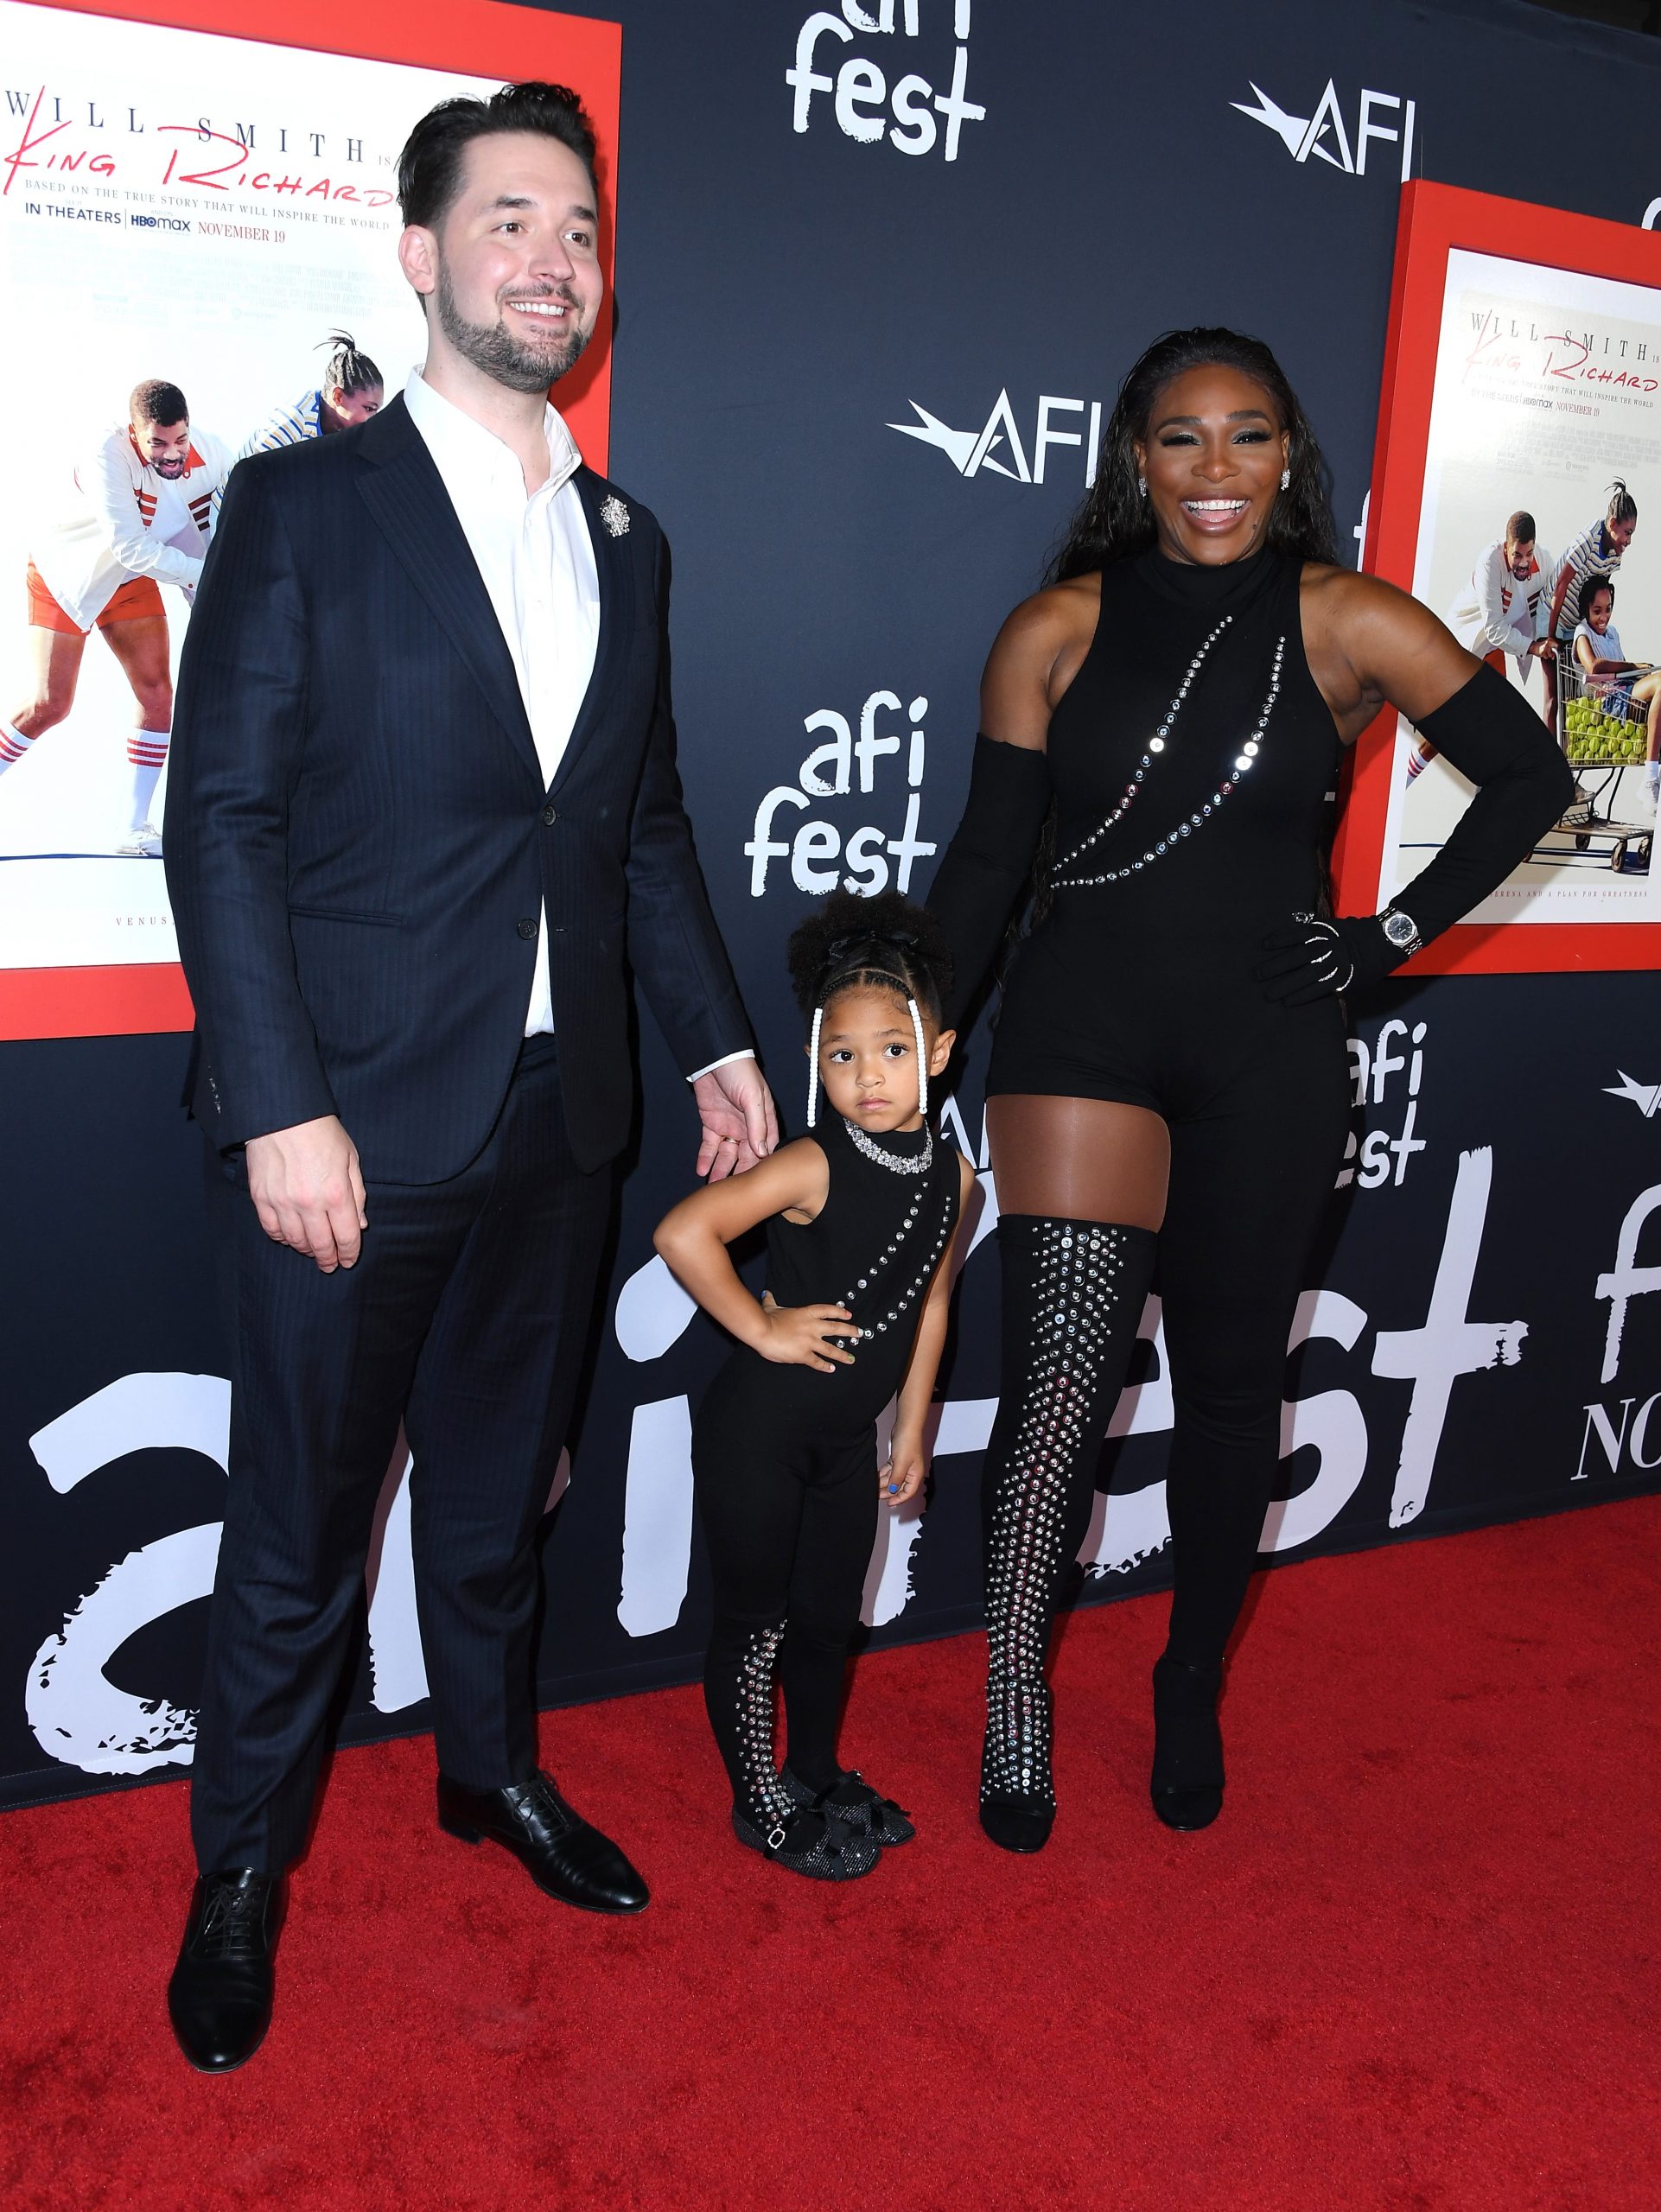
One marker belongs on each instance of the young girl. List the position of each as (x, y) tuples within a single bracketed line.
[(1596, 552), (1601, 656), (860, 1217)]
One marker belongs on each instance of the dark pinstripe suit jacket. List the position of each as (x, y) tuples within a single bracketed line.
[(358, 841)]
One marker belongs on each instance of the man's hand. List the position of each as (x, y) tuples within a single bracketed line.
[(308, 1189), (739, 1125)]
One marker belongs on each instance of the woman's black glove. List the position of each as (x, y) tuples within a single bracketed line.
[(1312, 959), (1494, 737), (989, 862)]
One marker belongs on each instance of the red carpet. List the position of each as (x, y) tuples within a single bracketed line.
[(1415, 1965)]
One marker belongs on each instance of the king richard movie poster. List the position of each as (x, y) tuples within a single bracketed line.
[(198, 237), (1539, 544)]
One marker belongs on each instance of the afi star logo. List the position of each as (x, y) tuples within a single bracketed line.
[(1646, 1096), (997, 444), (1325, 135)]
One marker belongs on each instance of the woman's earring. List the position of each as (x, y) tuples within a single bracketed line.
[(1141, 485), (1286, 480)]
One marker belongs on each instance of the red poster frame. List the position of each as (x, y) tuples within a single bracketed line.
[(1436, 219), (475, 38)]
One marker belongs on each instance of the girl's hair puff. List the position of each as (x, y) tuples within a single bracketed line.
[(885, 942)]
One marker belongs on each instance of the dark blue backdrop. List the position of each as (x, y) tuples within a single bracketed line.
[(857, 370)]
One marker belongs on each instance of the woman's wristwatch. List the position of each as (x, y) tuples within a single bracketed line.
[(1402, 933)]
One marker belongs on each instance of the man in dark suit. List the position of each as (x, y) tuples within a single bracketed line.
[(423, 815)]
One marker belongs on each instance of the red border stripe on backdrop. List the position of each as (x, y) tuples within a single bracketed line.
[(93, 1001), (1434, 219), (475, 38)]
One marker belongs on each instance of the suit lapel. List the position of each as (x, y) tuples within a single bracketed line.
[(613, 560), (405, 494)]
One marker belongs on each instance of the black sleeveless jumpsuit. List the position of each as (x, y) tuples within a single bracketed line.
[(1141, 988), (784, 1458)]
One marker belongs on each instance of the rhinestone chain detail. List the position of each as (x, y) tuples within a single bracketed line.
[(1075, 1293), (1244, 762), (1156, 744), (900, 1163), (889, 1252)]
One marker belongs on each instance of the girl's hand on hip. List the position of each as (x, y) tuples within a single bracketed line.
[(806, 1335)]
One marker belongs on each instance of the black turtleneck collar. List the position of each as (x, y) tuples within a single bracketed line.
[(1223, 587)]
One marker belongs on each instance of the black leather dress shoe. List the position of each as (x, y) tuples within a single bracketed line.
[(219, 1998), (561, 1853)]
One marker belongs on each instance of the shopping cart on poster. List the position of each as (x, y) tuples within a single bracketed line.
[(1603, 737)]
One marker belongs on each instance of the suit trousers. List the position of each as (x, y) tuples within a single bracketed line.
[(466, 1317)]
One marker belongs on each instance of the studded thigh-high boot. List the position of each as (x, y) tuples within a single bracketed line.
[(738, 1675), (1073, 1292)]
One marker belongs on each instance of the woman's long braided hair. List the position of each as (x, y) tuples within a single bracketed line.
[(1114, 519)]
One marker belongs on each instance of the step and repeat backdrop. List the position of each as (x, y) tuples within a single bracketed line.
[(878, 269)]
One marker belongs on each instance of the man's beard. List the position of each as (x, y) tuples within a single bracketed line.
[(492, 348)]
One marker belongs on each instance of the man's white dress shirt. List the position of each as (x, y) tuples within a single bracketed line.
[(537, 559)]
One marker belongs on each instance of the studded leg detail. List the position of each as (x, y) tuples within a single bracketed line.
[(738, 1678), (738, 1688), (1072, 1297)]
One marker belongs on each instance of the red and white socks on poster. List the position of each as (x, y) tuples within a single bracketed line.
[(146, 752), (13, 745)]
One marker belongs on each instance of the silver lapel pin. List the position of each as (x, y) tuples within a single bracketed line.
[(614, 515)]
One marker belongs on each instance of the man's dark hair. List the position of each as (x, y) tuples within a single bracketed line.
[(1519, 530), (156, 400), (1590, 591), (429, 167)]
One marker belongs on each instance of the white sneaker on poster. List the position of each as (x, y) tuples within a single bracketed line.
[(143, 843)]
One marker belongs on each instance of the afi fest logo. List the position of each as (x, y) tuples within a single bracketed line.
[(998, 444), (817, 849), (908, 112), (1325, 137), (1616, 1430)]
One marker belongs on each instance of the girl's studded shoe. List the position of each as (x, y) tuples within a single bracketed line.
[(825, 1850), (855, 1803)]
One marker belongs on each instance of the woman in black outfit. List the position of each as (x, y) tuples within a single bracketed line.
[(1169, 1071)]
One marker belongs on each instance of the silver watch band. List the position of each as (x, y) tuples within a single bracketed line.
[(1404, 939)]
